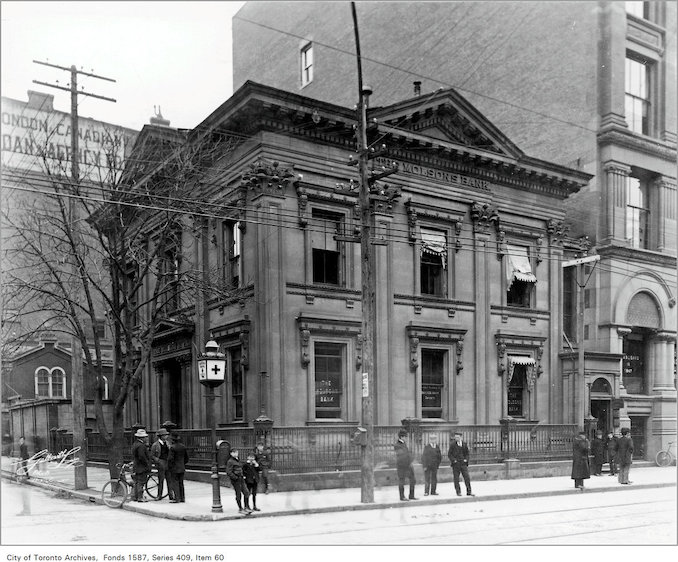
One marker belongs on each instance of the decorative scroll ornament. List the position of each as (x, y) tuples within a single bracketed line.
[(483, 216), (411, 221), (245, 349), (358, 352), (263, 177), (501, 353), (305, 340), (302, 202), (460, 351), (414, 356), (556, 231)]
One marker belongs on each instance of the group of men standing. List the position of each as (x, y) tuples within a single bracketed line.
[(590, 457), (168, 455), (458, 454)]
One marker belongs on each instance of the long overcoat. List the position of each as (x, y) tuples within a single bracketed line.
[(580, 459), (625, 450), (598, 450)]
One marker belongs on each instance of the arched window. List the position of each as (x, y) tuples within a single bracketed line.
[(50, 383)]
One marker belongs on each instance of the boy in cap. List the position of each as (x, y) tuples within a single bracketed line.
[(142, 463), (235, 473), (263, 459), (404, 466), (251, 470)]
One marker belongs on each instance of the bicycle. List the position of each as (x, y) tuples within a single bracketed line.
[(117, 491), (666, 457)]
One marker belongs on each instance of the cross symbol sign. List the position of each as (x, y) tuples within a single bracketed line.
[(216, 370)]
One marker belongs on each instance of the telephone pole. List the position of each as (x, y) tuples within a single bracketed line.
[(368, 279), (77, 379)]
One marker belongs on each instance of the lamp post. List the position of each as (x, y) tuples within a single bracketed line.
[(211, 372)]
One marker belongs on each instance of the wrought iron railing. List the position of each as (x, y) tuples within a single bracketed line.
[(323, 448)]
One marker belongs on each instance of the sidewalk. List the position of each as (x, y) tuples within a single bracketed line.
[(198, 505)]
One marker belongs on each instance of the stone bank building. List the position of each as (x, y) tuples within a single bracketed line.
[(469, 237)]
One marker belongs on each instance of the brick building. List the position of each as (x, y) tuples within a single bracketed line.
[(590, 85)]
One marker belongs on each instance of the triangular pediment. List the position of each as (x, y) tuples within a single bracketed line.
[(173, 326), (448, 117)]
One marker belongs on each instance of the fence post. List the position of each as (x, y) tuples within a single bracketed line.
[(508, 426), (263, 426)]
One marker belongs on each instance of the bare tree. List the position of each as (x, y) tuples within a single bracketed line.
[(116, 244)]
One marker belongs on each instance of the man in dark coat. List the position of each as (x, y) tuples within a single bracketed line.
[(404, 466), (142, 464), (159, 453), (430, 461), (23, 455), (458, 454), (235, 473), (176, 466), (624, 455), (263, 458), (611, 446), (598, 452), (580, 460)]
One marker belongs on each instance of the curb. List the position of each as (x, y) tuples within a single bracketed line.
[(129, 506)]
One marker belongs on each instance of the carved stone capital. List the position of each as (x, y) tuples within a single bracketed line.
[(556, 230), (264, 177), (484, 216)]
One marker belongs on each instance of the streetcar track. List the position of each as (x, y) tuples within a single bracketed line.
[(634, 527)]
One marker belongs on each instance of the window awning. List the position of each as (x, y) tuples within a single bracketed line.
[(521, 360), (528, 362), (434, 242), (518, 266)]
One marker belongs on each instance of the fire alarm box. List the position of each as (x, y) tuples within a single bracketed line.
[(359, 437)]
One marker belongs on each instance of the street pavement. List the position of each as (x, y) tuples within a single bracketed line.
[(198, 505)]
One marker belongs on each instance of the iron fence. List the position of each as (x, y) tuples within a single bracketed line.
[(323, 448)]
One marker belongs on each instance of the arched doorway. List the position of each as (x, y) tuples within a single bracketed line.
[(601, 404)]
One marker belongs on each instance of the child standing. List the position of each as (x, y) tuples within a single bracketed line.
[(251, 470), (263, 458)]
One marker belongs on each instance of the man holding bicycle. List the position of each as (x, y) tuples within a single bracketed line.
[(142, 464)]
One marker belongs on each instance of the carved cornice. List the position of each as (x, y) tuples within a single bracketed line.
[(626, 139), (637, 255), (439, 334)]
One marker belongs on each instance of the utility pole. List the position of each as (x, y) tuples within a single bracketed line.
[(580, 395), (77, 378), (368, 280)]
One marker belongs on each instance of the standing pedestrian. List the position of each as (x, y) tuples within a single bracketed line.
[(263, 459), (611, 445), (598, 452), (23, 455), (458, 454), (142, 464), (176, 466), (159, 453), (624, 455), (404, 466), (251, 471), (580, 460), (235, 474), (430, 460)]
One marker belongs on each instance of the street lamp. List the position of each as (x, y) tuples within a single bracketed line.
[(211, 372)]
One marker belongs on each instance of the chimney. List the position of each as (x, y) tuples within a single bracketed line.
[(158, 119), (40, 100), (417, 87)]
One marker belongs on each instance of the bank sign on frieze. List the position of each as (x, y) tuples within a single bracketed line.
[(439, 175)]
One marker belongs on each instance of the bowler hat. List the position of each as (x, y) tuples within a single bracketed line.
[(162, 431)]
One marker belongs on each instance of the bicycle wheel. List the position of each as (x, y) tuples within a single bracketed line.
[(114, 493), (663, 458), (153, 486)]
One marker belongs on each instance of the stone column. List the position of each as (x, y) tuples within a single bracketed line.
[(663, 371), (665, 210), (622, 333), (616, 175)]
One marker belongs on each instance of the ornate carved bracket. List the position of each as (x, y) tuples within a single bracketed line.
[(483, 216), (305, 336), (414, 356), (502, 246), (245, 349), (460, 351), (262, 177), (417, 334), (411, 221), (335, 326), (538, 258), (302, 202), (457, 231)]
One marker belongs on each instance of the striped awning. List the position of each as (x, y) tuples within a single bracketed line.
[(518, 266), (434, 242)]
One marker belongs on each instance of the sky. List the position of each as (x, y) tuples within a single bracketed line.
[(173, 55)]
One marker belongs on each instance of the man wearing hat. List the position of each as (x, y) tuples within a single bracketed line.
[(598, 452), (160, 453), (142, 463), (404, 466), (624, 455), (458, 454)]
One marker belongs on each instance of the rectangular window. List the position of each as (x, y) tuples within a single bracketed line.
[(433, 262), (237, 406), (42, 383), (638, 95), (306, 64), (634, 363), (232, 264), (516, 392), (432, 382), (519, 277), (638, 9), (327, 251), (329, 380), (100, 327), (171, 267), (57, 384), (637, 213), (569, 304)]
